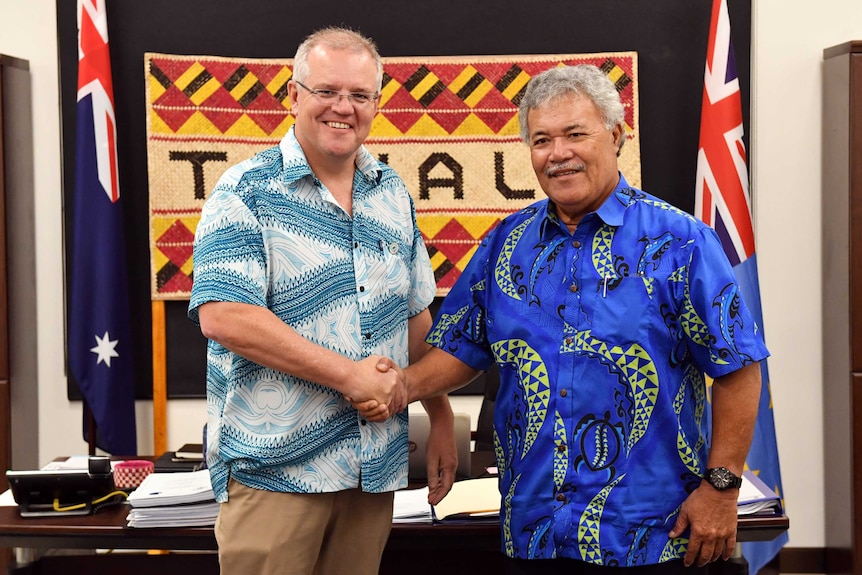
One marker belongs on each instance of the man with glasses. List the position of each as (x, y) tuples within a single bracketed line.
[(309, 270)]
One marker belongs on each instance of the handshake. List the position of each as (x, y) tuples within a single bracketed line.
[(380, 389)]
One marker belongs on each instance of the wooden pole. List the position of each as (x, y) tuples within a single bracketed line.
[(160, 380)]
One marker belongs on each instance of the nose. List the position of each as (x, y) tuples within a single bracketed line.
[(343, 105), (559, 150)]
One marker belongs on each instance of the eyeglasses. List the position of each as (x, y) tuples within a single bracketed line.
[(331, 96)]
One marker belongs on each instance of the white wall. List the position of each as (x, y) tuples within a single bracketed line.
[(788, 40), (788, 43)]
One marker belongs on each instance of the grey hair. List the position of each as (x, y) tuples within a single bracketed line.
[(585, 80), (336, 38)]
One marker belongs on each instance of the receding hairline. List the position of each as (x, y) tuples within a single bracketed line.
[(336, 38), (339, 38)]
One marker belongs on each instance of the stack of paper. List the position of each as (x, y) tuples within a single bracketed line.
[(194, 515), (183, 499), (755, 497), (411, 506)]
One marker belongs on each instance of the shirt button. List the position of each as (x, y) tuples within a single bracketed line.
[(368, 335), (573, 288), (355, 244), (361, 288), (363, 422), (576, 244), (561, 497), (561, 447), (569, 341), (563, 393)]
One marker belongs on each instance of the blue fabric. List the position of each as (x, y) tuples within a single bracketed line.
[(602, 338), (272, 235), (763, 455)]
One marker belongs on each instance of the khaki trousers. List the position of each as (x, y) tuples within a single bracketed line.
[(267, 533)]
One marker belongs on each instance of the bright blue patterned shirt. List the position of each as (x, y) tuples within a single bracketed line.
[(602, 337), (272, 235)]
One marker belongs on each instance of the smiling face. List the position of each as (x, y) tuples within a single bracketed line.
[(330, 132), (573, 154)]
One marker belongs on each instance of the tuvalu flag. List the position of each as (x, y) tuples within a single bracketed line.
[(100, 346), (722, 200)]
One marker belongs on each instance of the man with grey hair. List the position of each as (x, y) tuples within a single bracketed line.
[(603, 308), (309, 268)]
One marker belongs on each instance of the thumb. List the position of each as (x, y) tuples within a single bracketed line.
[(384, 364), (433, 488), (679, 526)]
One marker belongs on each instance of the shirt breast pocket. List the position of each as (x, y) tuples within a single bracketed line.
[(397, 270), (622, 310)]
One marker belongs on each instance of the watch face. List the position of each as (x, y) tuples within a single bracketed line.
[(719, 478), (722, 478)]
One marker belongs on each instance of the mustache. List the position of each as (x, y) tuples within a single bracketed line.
[(564, 167)]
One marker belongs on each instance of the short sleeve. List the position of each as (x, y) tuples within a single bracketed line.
[(459, 327), (229, 255), (722, 333)]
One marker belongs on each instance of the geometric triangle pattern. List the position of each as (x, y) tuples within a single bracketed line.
[(173, 238), (447, 125), (637, 369), (589, 525), (532, 378)]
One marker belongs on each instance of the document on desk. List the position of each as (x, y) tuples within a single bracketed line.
[(756, 498), (411, 506), (470, 499), (7, 499), (194, 515), (163, 489), (72, 463)]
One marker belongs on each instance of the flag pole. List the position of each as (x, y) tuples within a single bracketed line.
[(160, 380), (91, 431)]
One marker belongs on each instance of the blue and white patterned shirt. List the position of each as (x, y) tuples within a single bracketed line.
[(272, 235), (602, 337)]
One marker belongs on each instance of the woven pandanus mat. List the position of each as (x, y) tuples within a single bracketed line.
[(448, 125)]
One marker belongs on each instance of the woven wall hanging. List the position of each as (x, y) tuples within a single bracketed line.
[(448, 125)]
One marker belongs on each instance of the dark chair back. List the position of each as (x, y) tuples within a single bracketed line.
[(485, 423)]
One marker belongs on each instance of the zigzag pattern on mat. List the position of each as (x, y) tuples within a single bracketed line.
[(448, 125), (249, 99)]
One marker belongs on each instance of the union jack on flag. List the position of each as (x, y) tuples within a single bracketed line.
[(100, 343), (722, 201)]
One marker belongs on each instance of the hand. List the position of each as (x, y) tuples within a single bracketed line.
[(441, 458), (381, 391), (371, 410), (399, 402), (711, 517)]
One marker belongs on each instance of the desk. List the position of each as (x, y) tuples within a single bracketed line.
[(427, 548), (459, 548)]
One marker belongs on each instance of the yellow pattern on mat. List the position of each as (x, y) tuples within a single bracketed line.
[(448, 125)]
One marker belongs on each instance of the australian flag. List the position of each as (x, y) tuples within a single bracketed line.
[(723, 201), (100, 345)]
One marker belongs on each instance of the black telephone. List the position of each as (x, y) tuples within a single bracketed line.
[(59, 492)]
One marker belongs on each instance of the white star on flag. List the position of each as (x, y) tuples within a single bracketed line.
[(105, 349)]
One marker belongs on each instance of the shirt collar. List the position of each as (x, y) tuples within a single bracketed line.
[(611, 212), (296, 165)]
